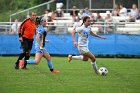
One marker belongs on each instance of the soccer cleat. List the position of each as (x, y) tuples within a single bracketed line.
[(24, 67), (69, 58), (16, 66), (55, 71), (21, 64)]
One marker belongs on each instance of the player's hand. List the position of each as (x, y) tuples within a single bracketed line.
[(41, 48), (75, 44), (47, 40), (103, 37), (20, 39)]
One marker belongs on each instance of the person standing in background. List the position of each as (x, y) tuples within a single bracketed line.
[(74, 13), (115, 11), (133, 14), (59, 4), (15, 26)]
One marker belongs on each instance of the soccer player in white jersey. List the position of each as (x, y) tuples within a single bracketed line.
[(82, 44)]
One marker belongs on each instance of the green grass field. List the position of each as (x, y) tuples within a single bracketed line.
[(75, 77)]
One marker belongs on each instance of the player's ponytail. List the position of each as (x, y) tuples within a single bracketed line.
[(38, 20)]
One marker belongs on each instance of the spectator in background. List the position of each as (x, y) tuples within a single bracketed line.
[(138, 17), (108, 17), (50, 24), (59, 4), (74, 13), (100, 19), (108, 20), (92, 18), (54, 15), (46, 14), (123, 11), (81, 14), (86, 12), (15, 26), (59, 12), (133, 13), (115, 10)]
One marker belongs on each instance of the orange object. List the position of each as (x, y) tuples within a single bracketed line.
[(27, 29)]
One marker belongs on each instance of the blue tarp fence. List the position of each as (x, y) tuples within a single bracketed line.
[(63, 44)]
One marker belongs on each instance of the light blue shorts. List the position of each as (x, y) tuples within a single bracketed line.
[(37, 49)]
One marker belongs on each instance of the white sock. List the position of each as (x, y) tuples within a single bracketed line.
[(94, 66), (80, 57)]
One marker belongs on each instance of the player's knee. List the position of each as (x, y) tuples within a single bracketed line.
[(85, 58)]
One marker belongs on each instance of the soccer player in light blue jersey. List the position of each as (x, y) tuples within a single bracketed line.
[(83, 32), (40, 49)]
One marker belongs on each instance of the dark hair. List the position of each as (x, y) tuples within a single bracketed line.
[(38, 20), (85, 18), (121, 4)]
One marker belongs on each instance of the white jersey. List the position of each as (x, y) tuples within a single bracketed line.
[(83, 33)]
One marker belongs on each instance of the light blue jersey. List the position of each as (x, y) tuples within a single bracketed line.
[(41, 30), (83, 33)]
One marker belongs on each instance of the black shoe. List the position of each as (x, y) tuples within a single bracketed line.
[(16, 66)]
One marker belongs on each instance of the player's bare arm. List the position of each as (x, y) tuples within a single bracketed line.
[(38, 41), (94, 34), (73, 38)]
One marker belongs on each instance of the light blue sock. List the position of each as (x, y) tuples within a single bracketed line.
[(31, 61), (50, 64)]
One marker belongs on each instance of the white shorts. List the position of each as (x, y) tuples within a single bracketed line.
[(83, 49)]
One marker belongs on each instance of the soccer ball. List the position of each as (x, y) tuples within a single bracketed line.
[(103, 71)]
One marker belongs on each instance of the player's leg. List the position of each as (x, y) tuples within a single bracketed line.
[(49, 62), (35, 61), (93, 61), (79, 57), (38, 57), (82, 50), (22, 55), (28, 47), (17, 62)]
